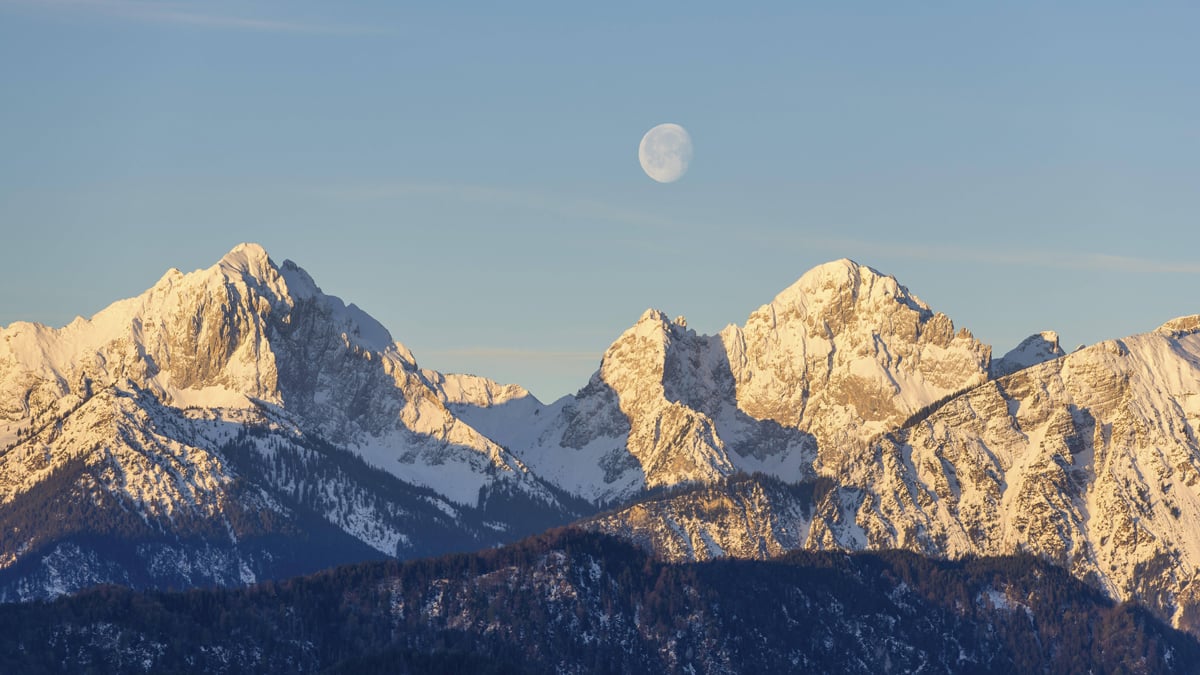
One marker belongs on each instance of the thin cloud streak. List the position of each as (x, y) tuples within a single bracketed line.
[(945, 252), (188, 14), (504, 353), (1091, 261), (574, 208)]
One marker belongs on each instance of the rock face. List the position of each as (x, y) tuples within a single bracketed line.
[(247, 334), (145, 409), (846, 353), (237, 423), (837, 359), (1090, 461)]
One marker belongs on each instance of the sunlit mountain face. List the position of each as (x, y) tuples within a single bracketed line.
[(237, 424)]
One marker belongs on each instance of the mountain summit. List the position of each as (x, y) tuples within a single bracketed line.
[(238, 406), (237, 423), (841, 356)]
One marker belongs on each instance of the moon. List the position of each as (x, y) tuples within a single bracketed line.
[(665, 152)]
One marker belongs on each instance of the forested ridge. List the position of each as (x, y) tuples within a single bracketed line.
[(582, 602)]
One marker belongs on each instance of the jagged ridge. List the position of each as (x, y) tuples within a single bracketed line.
[(844, 381)]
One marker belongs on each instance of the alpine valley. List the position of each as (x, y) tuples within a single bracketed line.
[(236, 425)]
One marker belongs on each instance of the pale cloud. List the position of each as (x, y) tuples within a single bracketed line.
[(192, 14), (535, 201), (864, 248), (1056, 260), (504, 353), (1131, 264)]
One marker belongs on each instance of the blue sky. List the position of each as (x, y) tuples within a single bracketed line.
[(468, 173)]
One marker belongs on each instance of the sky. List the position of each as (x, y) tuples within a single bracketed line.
[(467, 173)]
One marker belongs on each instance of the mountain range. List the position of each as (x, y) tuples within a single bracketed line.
[(237, 424)]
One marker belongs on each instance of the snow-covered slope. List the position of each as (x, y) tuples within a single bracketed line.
[(135, 409), (230, 422), (246, 332), (1091, 460), (838, 358)]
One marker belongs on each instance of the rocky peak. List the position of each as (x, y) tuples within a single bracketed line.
[(291, 294), (667, 441), (847, 352), (246, 334), (239, 330), (653, 354), (299, 283), (828, 292), (473, 390), (840, 356), (1181, 325), (633, 364), (248, 259), (1035, 349)]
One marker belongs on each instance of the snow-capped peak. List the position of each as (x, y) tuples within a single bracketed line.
[(243, 329), (289, 284), (838, 357), (845, 352), (1035, 349), (842, 281), (299, 282), (249, 259), (246, 334)]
